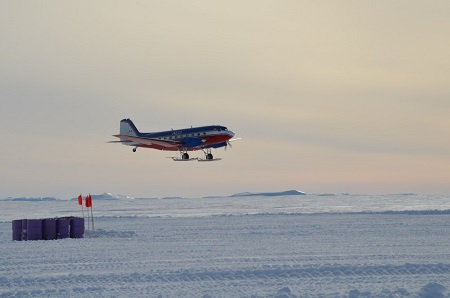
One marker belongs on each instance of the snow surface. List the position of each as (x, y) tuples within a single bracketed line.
[(302, 245)]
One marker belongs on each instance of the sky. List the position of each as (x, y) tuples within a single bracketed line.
[(327, 96)]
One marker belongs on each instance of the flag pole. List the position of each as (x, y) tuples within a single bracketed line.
[(87, 209), (92, 213), (82, 208), (80, 202)]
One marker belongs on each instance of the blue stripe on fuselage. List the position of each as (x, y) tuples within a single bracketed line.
[(185, 131)]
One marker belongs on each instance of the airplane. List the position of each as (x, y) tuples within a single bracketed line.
[(183, 140)]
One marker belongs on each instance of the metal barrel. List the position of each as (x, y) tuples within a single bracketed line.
[(34, 229), (76, 227), (17, 229), (62, 228), (49, 229), (24, 229)]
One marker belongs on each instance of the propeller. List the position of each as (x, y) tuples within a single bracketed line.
[(229, 143)]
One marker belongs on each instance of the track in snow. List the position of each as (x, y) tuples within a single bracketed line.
[(236, 256)]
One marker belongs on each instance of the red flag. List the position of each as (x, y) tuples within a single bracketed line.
[(88, 201), (80, 200)]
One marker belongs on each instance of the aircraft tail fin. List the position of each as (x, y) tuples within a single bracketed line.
[(127, 128)]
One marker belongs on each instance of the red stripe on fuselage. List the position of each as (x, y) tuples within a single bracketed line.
[(209, 140)]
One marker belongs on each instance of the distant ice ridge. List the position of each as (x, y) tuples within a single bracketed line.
[(105, 196), (32, 199), (270, 194), (109, 196), (262, 194), (115, 197)]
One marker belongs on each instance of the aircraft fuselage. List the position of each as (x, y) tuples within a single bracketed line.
[(186, 139)]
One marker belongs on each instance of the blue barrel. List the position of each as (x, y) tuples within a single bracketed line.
[(17, 229), (34, 229), (62, 228), (49, 229), (76, 227), (24, 229)]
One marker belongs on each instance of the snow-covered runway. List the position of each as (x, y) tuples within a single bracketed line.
[(384, 254)]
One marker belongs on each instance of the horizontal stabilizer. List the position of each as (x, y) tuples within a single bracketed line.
[(123, 141)]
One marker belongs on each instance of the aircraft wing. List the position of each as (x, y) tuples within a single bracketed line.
[(148, 141)]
